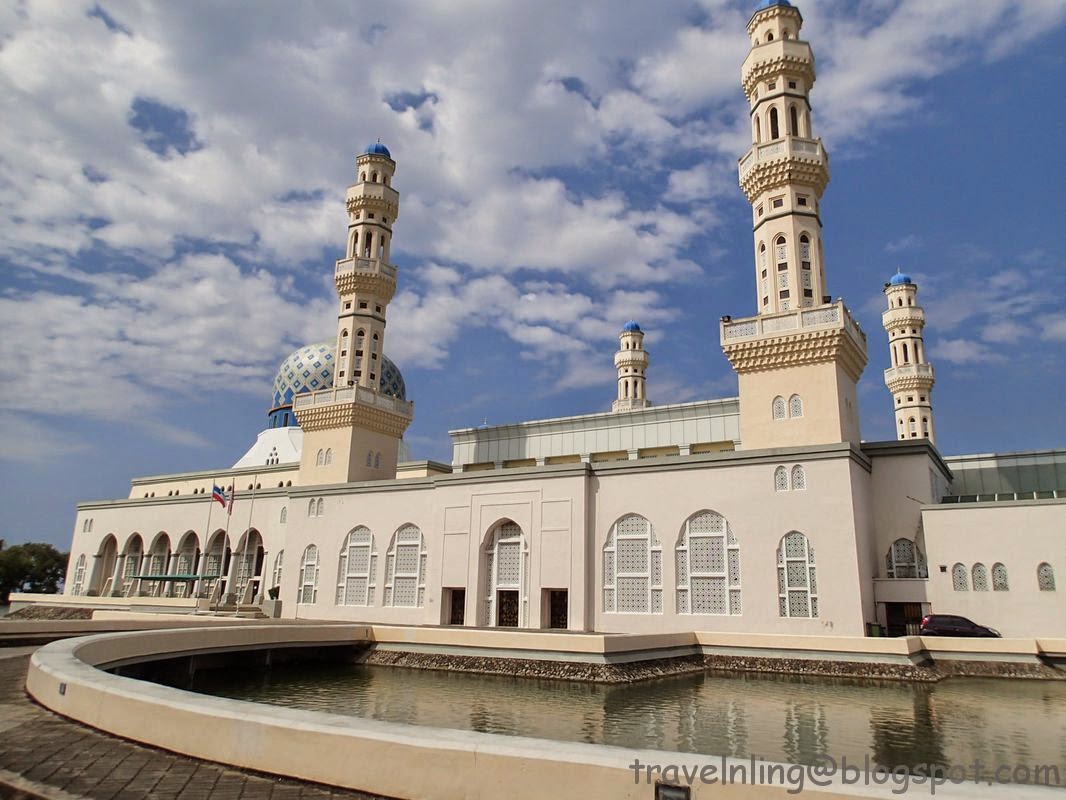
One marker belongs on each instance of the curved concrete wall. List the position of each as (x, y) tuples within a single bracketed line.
[(369, 755)]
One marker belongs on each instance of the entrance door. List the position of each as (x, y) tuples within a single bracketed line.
[(903, 619), (558, 607), (457, 614), (507, 605)]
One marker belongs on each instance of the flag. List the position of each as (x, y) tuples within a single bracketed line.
[(220, 496)]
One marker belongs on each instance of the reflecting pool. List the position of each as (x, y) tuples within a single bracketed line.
[(773, 717)]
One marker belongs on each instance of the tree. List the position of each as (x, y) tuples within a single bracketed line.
[(31, 567)]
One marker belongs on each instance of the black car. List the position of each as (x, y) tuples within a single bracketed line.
[(951, 625)]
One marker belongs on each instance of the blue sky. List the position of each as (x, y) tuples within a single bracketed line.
[(171, 201)]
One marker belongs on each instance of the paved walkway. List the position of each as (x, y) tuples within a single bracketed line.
[(43, 755)]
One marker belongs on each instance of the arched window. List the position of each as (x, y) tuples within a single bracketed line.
[(799, 478), (275, 575), (132, 565), (708, 566), (775, 128), (377, 461), (373, 177), (309, 576), (632, 568), (797, 581), (999, 578), (779, 408), (284, 516), (905, 560), (758, 130), (781, 479), (320, 459), (795, 406), (979, 574), (311, 507), (781, 252), (913, 425), (320, 507), (793, 121), (959, 578), (79, 576), (356, 570), (405, 568), (329, 456), (370, 458), (805, 251), (906, 354), (362, 176), (762, 255), (1045, 577)]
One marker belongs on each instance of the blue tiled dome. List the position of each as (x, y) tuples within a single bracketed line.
[(310, 368), (771, 3), (377, 149), (631, 326), (899, 279)]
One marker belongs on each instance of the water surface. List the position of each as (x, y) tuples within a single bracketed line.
[(777, 718)]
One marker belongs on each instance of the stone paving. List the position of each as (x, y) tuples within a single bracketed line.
[(43, 755)]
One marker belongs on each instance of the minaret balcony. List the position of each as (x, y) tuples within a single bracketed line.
[(792, 158), (353, 394), (353, 406), (368, 266), (910, 374), (907, 316), (377, 193)]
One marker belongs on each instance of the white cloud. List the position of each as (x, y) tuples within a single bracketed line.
[(965, 351)]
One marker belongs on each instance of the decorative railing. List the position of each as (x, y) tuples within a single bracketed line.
[(369, 265), (790, 146), (910, 371), (352, 394), (833, 316)]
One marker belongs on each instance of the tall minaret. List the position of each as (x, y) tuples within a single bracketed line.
[(787, 169), (352, 431), (365, 280), (631, 360), (910, 378), (798, 360)]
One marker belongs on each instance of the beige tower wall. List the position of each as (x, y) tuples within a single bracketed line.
[(830, 407), (349, 448)]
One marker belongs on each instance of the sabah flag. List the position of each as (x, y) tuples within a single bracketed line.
[(220, 496)]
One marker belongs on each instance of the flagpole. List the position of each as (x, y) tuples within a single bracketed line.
[(247, 539), (229, 514), (207, 539)]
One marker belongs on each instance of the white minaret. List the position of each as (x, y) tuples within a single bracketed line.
[(352, 431), (631, 361), (798, 360), (787, 169), (910, 378)]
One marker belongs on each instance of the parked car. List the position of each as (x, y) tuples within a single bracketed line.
[(951, 625)]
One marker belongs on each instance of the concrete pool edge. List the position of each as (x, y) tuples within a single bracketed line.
[(452, 764)]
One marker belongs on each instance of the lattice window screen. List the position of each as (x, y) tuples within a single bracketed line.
[(779, 408), (980, 578), (632, 568), (1045, 578), (959, 579), (405, 568), (708, 567), (780, 479), (999, 578), (795, 406), (799, 478), (797, 580)]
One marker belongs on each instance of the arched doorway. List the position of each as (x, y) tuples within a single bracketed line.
[(507, 577), (185, 564), (102, 581), (157, 563), (131, 565), (247, 566), (212, 565)]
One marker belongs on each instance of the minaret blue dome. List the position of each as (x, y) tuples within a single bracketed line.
[(899, 279), (377, 149), (631, 326), (309, 369), (771, 3)]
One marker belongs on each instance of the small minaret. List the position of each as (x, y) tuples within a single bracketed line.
[(910, 378), (631, 360)]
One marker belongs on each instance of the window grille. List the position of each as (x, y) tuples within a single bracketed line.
[(779, 408), (632, 568), (1045, 577), (309, 576), (507, 568), (780, 479), (797, 580), (79, 576), (356, 569), (799, 478), (708, 567), (795, 406), (905, 560), (405, 568), (275, 577), (979, 576), (959, 579), (999, 578)]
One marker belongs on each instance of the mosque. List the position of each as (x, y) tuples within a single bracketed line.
[(762, 513)]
